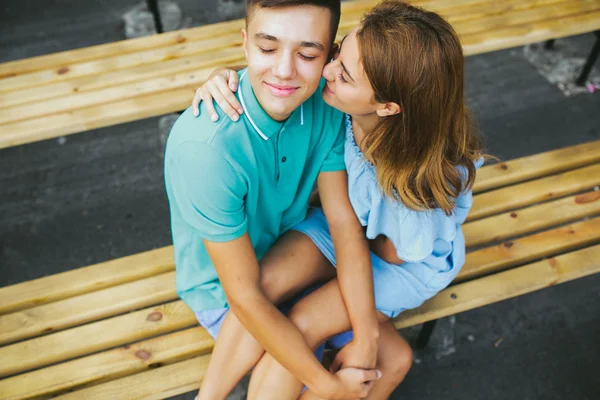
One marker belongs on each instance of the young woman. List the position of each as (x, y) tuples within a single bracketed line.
[(411, 155)]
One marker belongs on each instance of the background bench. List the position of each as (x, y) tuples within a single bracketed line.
[(99, 86), (116, 330)]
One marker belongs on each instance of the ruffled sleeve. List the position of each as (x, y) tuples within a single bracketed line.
[(413, 233)]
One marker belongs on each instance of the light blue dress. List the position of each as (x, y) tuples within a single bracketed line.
[(430, 242)]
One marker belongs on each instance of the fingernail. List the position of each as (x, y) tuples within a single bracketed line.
[(195, 113), (235, 117), (379, 374), (241, 111), (234, 87), (214, 118)]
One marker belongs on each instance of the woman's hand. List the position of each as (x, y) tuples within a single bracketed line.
[(220, 86)]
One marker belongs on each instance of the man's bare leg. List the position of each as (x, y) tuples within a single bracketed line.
[(394, 359), (293, 264), (319, 316)]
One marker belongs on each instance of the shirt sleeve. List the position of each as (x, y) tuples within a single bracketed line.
[(335, 159), (208, 191)]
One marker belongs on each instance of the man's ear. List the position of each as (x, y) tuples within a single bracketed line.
[(245, 42), (388, 109)]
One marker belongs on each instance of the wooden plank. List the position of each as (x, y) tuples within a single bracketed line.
[(87, 307), (123, 111), (518, 17), (108, 365), (93, 337), (186, 376), (540, 190), (103, 51), (514, 36), (531, 219), (83, 280), (529, 248), (537, 165), (36, 129), (188, 79), (119, 62), (505, 285), (155, 384), (143, 72)]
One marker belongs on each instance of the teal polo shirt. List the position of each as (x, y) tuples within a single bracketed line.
[(255, 175)]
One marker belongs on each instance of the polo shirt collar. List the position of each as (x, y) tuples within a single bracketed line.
[(263, 124)]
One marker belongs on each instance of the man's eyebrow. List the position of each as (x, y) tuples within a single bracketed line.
[(343, 66), (265, 36), (314, 45)]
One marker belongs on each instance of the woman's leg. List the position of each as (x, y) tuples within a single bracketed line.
[(293, 264), (319, 316), (394, 359)]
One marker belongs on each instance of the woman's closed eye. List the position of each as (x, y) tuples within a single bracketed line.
[(341, 76)]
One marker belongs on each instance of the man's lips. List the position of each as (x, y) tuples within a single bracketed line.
[(280, 90)]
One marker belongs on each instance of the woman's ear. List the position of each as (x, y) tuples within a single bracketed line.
[(388, 109)]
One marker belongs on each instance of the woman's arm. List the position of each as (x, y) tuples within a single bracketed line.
[(220, 86), (355, 274)]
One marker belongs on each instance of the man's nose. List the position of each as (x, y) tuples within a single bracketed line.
[(284, 69)]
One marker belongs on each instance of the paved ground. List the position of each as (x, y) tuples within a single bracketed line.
[(99, 195)]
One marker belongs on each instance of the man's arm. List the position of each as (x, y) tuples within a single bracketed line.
[(238, 270), (353, 262)]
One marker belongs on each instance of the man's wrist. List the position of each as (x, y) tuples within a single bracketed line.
[(325, 386)]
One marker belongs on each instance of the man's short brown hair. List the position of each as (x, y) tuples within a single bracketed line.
[(334, 7)]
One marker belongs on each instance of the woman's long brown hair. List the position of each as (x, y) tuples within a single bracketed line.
[(414, 58)]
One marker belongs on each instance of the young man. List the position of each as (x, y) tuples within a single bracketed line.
[(235, 187)]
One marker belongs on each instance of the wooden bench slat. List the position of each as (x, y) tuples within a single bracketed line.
[(124, 111), (505, 285), (87, 307), (516, 17), (83, 280), (36, 129), (527, 220), (108, 365), (156, 384), (529, 248), (535, 166), (93, 337), (540, 190), (89, 83), (499, 39), (102, 51), (127, 328), (462, 297), (133, 90), (120, 62)]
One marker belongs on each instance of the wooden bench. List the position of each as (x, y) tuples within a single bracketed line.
[(79, 90), (116, 330)]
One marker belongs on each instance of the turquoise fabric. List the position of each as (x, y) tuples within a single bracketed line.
[(255, 175)]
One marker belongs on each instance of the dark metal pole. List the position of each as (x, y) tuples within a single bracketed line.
[(591, 60), (549, 45), (153, 7), (425, 334)]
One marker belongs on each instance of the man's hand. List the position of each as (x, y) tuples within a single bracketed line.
[(354, 383), (220, 86), (356, 354)]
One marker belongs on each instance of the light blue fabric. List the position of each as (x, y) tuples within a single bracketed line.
[(397, 287), (416, 235)]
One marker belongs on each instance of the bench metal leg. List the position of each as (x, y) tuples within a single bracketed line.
[(591, 60), (153, 7), (425, 334)]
